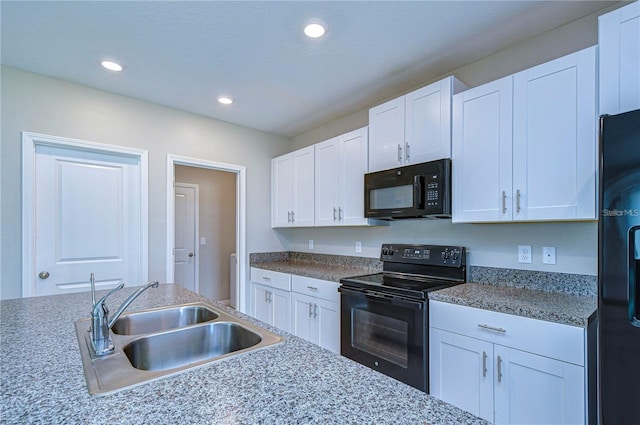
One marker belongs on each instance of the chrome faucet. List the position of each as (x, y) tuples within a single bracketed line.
[(100, 322)]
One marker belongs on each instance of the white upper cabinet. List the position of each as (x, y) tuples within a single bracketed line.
[(292, 189), (413, 128), (340, 165), (482, 146), (548, 171), (619, 51), (555, 139)]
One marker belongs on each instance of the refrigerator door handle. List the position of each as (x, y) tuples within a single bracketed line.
[(634, 275)]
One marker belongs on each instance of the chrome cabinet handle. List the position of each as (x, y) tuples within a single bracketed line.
[(407, 151), (504, 202), (399, 153), (484, 364), (288, 216), (334, 213), (270, 296), (266, 296), (518, 200), (293, 217), (491, 328), (268, 279), (312, 288), (310, 309), (315, 310), (339, 213), (499, 369)]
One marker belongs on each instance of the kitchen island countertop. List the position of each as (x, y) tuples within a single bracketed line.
[(42, 380)]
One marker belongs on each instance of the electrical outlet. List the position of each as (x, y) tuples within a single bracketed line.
[(310, 243), (358, 247), (524, 253), (203, 241), (549, 254)]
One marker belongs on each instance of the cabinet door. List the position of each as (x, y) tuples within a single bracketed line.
[(554, 139), (327, 324), (302, 311), (531, 389), (386, 135), (428, 123), (482, 146), (260, 306), (461, 372), (353, 166), (303, 187), (327, 182), (280, 304), (281, 191), (619, 60)]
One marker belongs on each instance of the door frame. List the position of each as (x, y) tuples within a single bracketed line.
[(29, 143), (196, 248), (241, 214)]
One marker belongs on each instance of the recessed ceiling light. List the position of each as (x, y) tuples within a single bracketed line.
[(225, 100), (315, 28), (111, 66)]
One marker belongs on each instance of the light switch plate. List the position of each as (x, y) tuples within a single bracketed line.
[(358, 247), (203, 241)]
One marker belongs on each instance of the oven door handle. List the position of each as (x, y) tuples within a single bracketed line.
[(384, 298)]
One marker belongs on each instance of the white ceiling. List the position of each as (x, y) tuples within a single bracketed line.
[(184, 54)]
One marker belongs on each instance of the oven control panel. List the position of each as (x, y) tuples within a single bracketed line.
[(438, 255)]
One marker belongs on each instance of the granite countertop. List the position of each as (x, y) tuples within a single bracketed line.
[(576, 310), (331, 272), (42, 379)]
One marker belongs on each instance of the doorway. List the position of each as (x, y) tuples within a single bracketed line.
[(221, 225)]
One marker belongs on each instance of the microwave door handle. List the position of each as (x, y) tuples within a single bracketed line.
[(418, 192)]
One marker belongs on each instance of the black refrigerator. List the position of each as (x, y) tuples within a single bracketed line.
[(619, 270)]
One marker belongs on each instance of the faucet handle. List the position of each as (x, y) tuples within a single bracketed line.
[(97, 307)]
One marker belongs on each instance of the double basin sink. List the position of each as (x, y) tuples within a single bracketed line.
[(155, 343)]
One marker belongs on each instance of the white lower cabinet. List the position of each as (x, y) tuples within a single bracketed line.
[(507, 369), (271, 297), (315, 307)]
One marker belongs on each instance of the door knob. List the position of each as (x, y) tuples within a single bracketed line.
[(191, 254), (43, 275)]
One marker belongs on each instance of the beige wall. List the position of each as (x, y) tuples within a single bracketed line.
[(30, 102), (217, 224), (489, 244)]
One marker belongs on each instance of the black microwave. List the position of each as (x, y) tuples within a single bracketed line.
[(412, 191)]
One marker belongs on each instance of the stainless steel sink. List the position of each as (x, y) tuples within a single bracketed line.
[(170, 350), (145, 352), (162, 319)]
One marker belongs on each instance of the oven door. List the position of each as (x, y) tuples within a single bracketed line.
[(385, 333)]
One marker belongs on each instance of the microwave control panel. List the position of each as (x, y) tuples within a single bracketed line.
[(432, 195)]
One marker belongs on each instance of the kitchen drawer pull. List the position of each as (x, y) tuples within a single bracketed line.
[(312, 288), (499, 369), (484, 364), (491, 328), (268, 279)]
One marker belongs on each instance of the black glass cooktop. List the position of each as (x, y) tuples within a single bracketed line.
[(396, 283)]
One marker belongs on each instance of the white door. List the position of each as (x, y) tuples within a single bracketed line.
[(554, 139), (461, 372), (386, 135), (327, 181), (87, 219), (186, 228), (532, 389), (481, 152)]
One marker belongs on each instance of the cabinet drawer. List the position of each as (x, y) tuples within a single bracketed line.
[(555, 340), (315, 287), (270, 278)]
